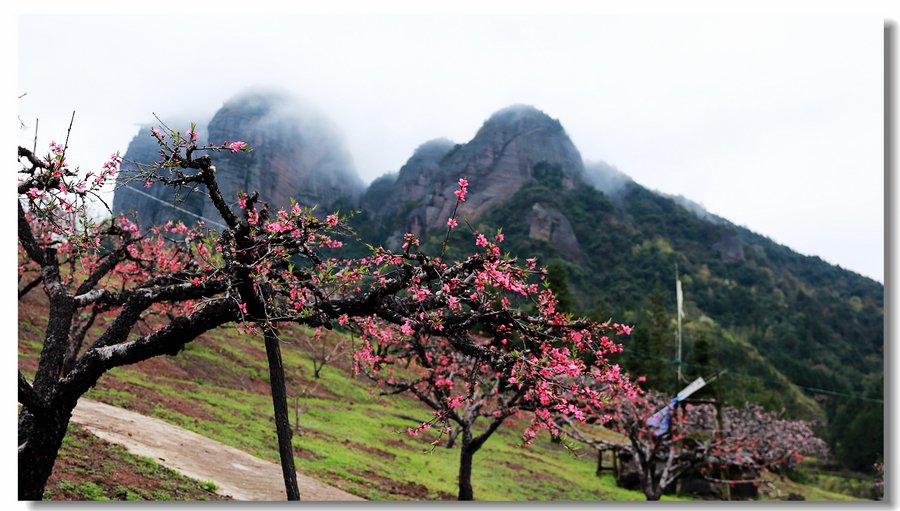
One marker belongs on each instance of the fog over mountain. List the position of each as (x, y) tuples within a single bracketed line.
[(297, 154), (605, 177)]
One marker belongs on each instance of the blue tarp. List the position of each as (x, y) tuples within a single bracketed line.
[(660, 420)]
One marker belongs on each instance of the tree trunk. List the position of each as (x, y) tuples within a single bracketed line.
[(467, 451), (465, 473), (38, 454), (282, 420), (652, 489)]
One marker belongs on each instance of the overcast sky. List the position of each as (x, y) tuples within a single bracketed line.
[(774, 122)]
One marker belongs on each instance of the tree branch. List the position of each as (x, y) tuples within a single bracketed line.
[(168, 340), (30, 399), (31, 285)]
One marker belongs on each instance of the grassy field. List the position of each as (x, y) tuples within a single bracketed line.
[(345, 433)]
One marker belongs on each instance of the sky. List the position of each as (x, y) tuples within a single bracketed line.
[(774, 121)]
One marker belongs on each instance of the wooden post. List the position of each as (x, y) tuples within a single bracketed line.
[(615, 460), (614, 453)]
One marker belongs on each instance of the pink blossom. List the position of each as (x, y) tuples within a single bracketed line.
[(452, 222), (331, 220), (410, 240), (236, 146)]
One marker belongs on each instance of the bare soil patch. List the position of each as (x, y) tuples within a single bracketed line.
[(406, 489)]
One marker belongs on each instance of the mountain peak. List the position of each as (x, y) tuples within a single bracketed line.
[(520, 118), (437, 145), (516, 145)]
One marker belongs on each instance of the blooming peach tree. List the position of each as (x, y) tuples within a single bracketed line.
[(667, 440), (87, 270), (517, 363), (761, 442), (262, 270), (458, 389), (464, 389)]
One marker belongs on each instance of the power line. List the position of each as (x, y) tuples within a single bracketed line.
[(730, 373), (157, 199)]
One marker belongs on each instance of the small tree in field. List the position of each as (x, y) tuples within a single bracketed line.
[(661, 457), (320, 353), (263, 270)]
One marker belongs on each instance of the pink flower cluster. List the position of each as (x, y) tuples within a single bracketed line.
[(234, 146), (461, 193)]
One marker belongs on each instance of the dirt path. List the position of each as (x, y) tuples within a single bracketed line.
[(236, 473)]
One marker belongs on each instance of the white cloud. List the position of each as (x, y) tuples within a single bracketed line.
[(772, 122)]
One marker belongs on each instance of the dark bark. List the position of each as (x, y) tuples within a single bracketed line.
[(251, 295), (465, 466), (30, 399), (76, 339), (38, 454), (470, 446), (282, 420), (62, 308)]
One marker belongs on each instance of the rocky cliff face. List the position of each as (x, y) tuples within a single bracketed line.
[(550, 224), (296, 154), (730, 248), (516, 145)]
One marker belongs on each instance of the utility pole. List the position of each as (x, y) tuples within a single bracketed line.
[(679, 298)]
